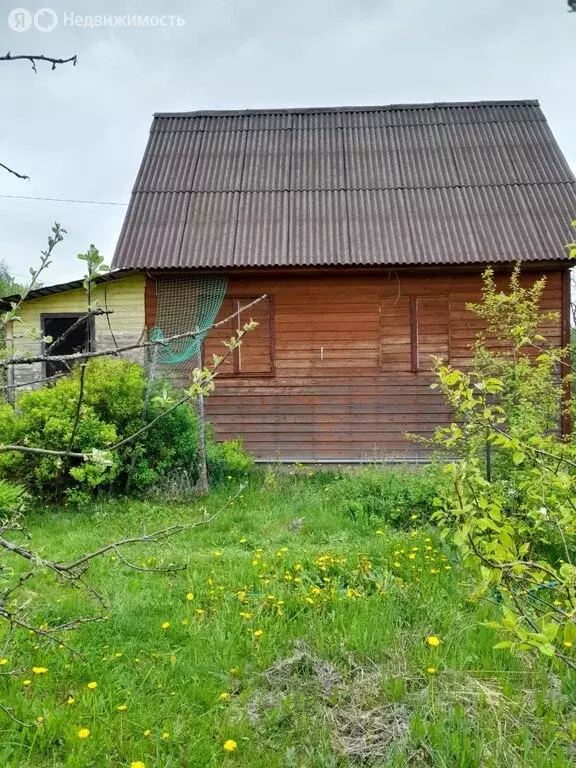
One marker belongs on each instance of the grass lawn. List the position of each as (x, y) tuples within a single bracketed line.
[(297, 645)]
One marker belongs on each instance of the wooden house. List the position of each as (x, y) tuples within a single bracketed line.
[(367, 228)]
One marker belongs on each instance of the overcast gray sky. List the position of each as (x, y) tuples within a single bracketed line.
[(80, 132)]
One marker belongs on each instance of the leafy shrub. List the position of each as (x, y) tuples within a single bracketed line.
[(228, 460), (113, 402), (12, 498), (398, 497)]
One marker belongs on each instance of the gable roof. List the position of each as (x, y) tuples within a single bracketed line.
[(478, 182)]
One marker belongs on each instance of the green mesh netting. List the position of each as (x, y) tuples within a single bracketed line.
[(185, 304)]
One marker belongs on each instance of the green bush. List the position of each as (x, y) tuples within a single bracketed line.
[(400, 497), (113, 402)]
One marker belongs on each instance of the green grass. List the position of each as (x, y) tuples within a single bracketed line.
[(337, 678)]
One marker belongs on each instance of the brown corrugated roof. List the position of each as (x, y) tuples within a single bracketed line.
[(479, 182)]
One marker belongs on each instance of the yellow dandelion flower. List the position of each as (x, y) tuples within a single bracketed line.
[(230, 745), (184, 622), (243, 540), (137, 764), (224, 696), (190, 596), (70, 700), (122, 708), (396, 565), (26, 683), (83, 733), (412, 556), (217, 554), (118, 655), (567, 644), (379, 532), (200, 611), (165, 735), (93, 685), (431, 670), (147, 732), (258, 633), (39, 670), (433, 641), (3, 662), (165, 625)]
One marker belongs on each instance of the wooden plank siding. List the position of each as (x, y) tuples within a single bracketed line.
[(344, 380)]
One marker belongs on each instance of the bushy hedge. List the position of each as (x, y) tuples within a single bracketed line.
[(399, 497), (114, 393)]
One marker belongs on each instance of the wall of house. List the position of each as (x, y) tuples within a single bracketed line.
[(123, 297), (340, 383)]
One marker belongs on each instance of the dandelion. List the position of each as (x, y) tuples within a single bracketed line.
[(230, 745), (243, 540), (26, 683), (217, 554), (190, 596), (379, 532), (412, 556), (83, 733), (258, 633), (184, 622), (224, 696), (70, 700), (200, 611), (137, 764), (3, 662), (93, 685), (433, 641), (165, 625), (122, 708), (165, 735), (147, 732), (118, 655), (567, 644), (431, 670), (39, 670)]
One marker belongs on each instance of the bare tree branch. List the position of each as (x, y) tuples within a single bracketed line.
[(77, 356), (33, 58), (73, 572), (14, 173), (92, 313)]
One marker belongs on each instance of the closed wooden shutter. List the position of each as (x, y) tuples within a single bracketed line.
[(395, 352), (413, 330), (255, 356), (433, 330)]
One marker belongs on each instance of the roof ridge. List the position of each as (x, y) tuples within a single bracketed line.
[(357, 108)]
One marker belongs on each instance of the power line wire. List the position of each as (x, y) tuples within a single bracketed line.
[(62, 200)]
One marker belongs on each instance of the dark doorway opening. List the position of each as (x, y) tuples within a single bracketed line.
[(68, 336)]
